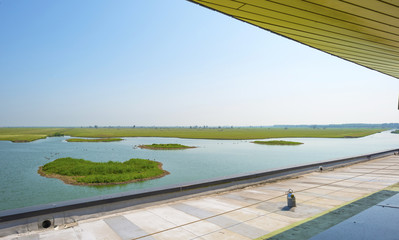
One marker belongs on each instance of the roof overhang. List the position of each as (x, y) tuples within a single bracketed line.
[(365, 32)]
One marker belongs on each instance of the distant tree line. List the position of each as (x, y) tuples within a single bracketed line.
[(347, 125)]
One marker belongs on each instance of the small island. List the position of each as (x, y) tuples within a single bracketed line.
[(167, 146), (277, 142), (395, 131), (82, 172), (94, 139)]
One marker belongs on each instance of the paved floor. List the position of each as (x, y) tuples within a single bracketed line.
[(246, 213)]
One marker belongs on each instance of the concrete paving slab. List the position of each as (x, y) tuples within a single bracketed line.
[(372, 185), (302, 211), (223, 203), (383, 177), (247, 230), (245, 214), (344, 196), (303, 197), (210, 206), (282, 218), (267, 223), (173, 234), (239, 197), (97, 230), (325, 202), (224, 234), (371, 166), (387, 172), (271, 206), (363, 178), (201, 228), (276, 188), (256, 195), (335, 176), (305, 184), (384, 181), (320, 180), (332, 188), (354, 190), (65, 234), (124, 228), (173, 215), (149, 222), (318, 191), (29, 237), (252, 210), (345, 183), (261, 194), (235, 202), (193, 211), (268, 192), (359, 170), (394, 167), (222, 221)]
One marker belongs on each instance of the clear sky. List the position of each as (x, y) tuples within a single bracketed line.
[(171, 63)]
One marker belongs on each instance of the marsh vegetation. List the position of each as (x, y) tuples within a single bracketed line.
[(84, 172), (167, 146), (277, 142), (31, 134), (94, 139)]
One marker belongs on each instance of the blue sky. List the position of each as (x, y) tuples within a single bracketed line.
[(171, 63)]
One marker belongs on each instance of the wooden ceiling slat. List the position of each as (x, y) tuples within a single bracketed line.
[(313, 23), (360, 11)]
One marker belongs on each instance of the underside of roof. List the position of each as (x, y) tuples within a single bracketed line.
[(365, 32)]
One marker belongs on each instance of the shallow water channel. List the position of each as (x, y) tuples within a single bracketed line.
[(21, 185)]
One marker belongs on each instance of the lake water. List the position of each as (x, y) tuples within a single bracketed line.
[(21, 185)]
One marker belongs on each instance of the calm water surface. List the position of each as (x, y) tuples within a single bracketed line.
[(21, 185)]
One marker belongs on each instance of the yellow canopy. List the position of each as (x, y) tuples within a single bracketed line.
[(365, 32)]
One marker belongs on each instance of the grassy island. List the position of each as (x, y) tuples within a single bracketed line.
[(168, 146), (94, 139), (82, 172), (277, 142), (395, 131)]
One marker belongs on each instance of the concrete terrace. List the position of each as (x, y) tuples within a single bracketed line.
[(257, 211)]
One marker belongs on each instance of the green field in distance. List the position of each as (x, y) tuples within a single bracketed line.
[(242, 133)]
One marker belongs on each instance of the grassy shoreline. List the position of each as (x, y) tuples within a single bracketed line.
[(94, 139), (169, 146), (83, 172), (31, 134), (278, 142)]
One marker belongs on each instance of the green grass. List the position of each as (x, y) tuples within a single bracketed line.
[(83, 172), (168, 146), (30, 134), (94, 139), (396, 131), (277, 142)]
